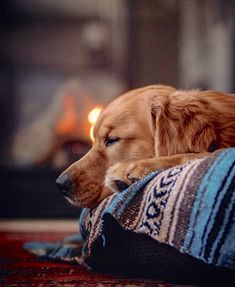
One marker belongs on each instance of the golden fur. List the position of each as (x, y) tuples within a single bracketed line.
[(147, 129)]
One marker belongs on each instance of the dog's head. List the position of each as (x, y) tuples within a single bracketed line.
[(124, 132)]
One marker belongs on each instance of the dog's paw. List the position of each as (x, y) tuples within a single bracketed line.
[(120, 176)]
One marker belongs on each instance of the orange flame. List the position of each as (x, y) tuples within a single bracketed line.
[(92, 118), (68, 123)]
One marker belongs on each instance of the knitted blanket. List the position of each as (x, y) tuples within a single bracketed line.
[(181, 218)]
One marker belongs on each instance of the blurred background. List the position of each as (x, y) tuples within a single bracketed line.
[(61, 59)]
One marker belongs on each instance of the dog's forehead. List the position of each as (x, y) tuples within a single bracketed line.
[(120, 112)]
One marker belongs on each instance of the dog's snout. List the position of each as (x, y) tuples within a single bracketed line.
[(64, 184)]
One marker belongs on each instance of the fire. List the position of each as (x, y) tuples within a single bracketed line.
[(92, 118), (68, 124)]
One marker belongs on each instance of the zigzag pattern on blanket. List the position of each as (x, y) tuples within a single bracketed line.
[(190, 207)]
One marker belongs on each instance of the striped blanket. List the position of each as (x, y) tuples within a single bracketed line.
[(189, 208)]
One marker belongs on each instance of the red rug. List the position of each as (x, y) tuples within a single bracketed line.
[(19, 268)]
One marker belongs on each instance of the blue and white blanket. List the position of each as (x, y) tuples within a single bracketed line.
[(190, 208)]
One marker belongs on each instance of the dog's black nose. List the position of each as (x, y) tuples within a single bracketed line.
[(121, 185), (65, 185)]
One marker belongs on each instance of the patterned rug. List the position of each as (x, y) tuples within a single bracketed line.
[(20, 268)]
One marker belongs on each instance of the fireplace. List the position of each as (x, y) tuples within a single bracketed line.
[(61, 133), (59, 67)]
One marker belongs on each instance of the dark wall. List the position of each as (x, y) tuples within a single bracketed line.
[(153, 43)]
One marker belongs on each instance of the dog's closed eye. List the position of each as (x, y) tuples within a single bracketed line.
[(111, 140)]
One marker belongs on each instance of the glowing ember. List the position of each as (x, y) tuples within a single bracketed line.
[(92, 118)]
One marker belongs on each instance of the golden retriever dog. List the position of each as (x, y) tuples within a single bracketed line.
[(144, 130)]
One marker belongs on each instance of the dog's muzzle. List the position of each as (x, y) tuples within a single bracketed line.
[(65, 185)]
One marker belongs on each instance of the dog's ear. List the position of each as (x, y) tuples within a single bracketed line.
[(156, 106), (157, 101), (182, 124)]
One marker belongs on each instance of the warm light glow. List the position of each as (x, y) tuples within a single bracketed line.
[(93, 115), (67, 125), (92, 118), (91, 134)]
